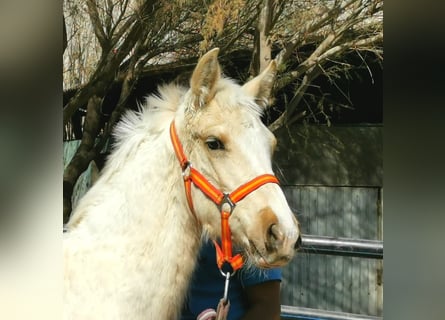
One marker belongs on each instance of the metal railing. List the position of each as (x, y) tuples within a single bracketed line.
[(342, 246), (372, 249), (290, 312)]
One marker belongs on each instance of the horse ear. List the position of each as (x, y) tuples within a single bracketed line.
[(204, 78), (260, 87)]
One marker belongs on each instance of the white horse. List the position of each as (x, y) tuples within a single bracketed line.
[(132, 242)]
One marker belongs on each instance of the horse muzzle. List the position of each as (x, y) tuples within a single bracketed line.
[(273, 244)]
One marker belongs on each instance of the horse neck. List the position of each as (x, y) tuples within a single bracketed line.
[(168, 230), (141, 189)]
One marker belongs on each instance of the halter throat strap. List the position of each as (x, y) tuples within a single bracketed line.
[(224, 201)]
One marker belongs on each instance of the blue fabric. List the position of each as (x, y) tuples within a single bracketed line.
[(207, 286)]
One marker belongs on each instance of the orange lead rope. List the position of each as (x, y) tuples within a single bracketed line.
[(225, 202)]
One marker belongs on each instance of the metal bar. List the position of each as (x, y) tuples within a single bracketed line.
[(290, 312), (342, 246)]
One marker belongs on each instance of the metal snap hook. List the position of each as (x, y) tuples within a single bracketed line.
[(226, 286)]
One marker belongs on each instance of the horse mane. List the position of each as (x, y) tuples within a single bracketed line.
[(152, 115)]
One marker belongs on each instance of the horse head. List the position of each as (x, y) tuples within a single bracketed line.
[(219, 125)]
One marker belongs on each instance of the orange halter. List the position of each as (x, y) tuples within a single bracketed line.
[(222, 200)]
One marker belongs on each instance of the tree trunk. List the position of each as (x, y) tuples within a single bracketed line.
[(262, 46), (84, 154)]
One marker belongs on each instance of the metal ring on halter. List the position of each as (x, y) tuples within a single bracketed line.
[(186, 170), (226, 200)]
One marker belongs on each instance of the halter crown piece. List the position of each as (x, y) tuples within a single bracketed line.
[(224, 201)]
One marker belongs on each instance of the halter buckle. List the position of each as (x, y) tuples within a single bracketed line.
[(226, 201)]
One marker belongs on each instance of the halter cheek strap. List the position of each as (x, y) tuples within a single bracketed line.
[(224, 201)]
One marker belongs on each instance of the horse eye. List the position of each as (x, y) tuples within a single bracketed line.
[(214, 144)]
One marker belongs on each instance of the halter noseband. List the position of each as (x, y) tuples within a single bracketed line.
[(224, 201)]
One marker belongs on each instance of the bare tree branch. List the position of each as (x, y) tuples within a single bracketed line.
[(97, 25)]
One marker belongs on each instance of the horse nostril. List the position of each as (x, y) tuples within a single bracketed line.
[(275, 237), (274, 233), (298, 243)]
